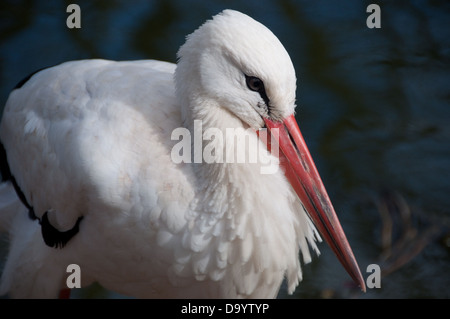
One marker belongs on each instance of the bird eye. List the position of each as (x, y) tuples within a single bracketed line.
[(254, 83), (257, 85)]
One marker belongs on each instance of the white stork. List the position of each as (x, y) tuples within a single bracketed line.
[(90, 178)]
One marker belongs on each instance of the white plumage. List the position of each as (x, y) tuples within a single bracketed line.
[(92, 139)]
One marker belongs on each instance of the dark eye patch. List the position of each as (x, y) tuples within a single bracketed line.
[(257, 85)]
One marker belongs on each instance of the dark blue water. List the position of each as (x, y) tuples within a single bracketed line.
[(373, 105)]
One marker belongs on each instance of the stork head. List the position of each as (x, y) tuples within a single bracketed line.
[(236, 63), (241, 65)]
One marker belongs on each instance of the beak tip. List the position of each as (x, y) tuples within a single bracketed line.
[(358, 279), (363, 286)]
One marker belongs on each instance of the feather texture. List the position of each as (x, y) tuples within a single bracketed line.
[(91, 139)]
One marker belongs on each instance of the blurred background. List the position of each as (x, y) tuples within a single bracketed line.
[(373, 106)]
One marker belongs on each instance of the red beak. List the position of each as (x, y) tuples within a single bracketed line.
[(301, 172)]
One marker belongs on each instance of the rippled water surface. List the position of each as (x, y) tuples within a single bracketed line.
[(373, 105)]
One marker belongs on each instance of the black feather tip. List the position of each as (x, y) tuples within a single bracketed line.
[(55, 238)]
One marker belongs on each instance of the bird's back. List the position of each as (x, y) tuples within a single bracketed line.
[(92, 139)]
